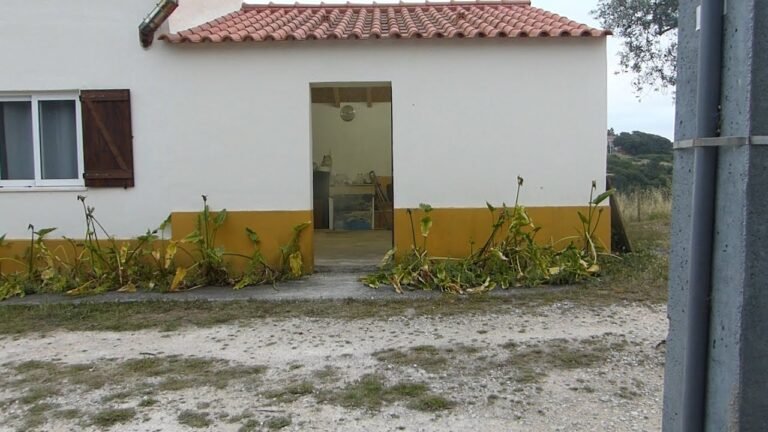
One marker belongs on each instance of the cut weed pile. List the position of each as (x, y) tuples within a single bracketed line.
[(511, 256)]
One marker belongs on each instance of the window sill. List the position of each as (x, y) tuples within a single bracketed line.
[(42, 189)]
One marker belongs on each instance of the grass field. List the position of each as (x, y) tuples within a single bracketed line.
[(646, 205)]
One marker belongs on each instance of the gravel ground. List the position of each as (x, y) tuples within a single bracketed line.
[(555, 368)]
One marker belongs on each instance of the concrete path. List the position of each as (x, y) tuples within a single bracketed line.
[(320, 286), (350, 251)]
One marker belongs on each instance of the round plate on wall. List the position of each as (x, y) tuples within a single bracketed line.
[(347, 112)]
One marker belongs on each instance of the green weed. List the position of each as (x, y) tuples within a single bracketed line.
[(194, 419), (111, 416), (371, 392), (425, 357), (510, 257), (276, 423), (431, 403), (209, 268), (291, 261), (101, 263), (291, 392)]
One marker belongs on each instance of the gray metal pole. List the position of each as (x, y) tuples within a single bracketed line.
[(702, 224)]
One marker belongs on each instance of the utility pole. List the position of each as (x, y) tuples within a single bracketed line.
[(716, 376)]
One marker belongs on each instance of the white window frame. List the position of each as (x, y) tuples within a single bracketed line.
[(38, 181)]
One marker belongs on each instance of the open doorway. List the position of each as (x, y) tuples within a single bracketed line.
[(352, 173)]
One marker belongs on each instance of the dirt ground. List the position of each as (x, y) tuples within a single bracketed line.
[(559, 367)]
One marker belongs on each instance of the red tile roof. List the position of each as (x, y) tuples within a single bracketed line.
[(506, 19)]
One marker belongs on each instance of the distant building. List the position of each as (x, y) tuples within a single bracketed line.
[(611, 139)]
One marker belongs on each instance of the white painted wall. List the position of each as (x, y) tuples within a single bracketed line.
[(192, 13), (357, 146), (233, 121)]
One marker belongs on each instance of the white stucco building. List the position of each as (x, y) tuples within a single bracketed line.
[(479, 94)]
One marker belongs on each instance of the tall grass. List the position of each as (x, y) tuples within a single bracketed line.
[(645, 204)]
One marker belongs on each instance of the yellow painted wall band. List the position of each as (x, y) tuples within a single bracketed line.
[(275, 229), (457, 231)]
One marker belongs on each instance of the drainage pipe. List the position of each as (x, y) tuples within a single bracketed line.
[(703, 215)]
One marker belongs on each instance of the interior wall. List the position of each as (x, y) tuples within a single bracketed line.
[(356, 146)]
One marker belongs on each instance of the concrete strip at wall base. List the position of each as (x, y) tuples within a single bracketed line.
[(456, 232)]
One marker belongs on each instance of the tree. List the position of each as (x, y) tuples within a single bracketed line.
[(641, 143), (637, 173), (648, 29)]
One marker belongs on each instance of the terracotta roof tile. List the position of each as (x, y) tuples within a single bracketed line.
[(505, 19)]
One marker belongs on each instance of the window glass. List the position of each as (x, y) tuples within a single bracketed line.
[(58, 140), (16, 152)]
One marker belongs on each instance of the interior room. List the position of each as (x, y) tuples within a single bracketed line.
[(352, 173)]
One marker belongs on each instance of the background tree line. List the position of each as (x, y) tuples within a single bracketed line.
[(641, 161)]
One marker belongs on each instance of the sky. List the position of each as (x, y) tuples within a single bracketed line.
[(650, 112)]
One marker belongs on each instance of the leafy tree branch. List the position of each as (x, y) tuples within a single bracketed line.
[(648, 30)]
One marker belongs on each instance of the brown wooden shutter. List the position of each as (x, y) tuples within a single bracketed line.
[(107, 138)]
